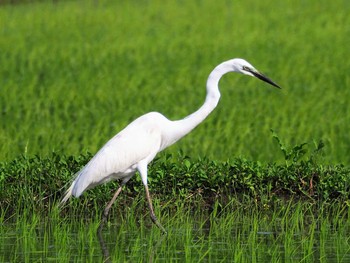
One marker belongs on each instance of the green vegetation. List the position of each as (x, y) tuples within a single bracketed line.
[(293, 233), (37, 183), (73, 73)]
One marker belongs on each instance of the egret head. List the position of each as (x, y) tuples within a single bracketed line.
[(244, 67)]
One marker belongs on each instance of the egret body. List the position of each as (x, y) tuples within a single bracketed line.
[(133, 148)]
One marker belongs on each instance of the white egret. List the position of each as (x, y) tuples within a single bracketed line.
[(137, 144)]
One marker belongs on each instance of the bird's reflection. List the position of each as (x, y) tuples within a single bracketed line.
[(105, 251)]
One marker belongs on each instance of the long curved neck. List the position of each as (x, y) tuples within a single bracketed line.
[(187, 124)]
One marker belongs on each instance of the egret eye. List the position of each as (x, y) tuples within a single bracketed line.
[(246, 68)]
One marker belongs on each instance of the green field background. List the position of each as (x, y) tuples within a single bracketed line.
[(74, 73)]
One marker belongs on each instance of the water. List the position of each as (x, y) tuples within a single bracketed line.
[(226, 238)]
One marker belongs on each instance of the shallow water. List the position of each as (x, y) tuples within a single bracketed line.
[(288, 234), (226, 238)]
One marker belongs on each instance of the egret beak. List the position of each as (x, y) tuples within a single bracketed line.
[(261, 77), (264, 78)]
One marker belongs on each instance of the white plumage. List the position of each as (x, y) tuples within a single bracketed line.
[(136, 145)]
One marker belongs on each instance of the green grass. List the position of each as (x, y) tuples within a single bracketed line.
[(243, 233), (73, 73), (36, 184)]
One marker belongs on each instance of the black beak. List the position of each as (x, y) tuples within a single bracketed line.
[(264, 78), (261, 76)]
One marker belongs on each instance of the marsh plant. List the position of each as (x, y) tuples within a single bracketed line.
[(73, 73), (293, 232)]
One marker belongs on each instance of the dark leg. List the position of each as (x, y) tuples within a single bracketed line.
[(153, 216), (108, 207)]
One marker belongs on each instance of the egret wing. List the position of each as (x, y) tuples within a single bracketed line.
[(119, 157)]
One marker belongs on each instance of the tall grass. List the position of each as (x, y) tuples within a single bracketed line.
[(36, 184), (291, 233), (73, 73)]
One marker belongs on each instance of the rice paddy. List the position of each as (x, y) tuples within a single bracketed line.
[(233, 233), (74, 73)]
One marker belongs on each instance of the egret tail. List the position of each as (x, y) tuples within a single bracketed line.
[(68, 194)]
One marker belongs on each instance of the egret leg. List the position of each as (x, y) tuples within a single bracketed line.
[(153, 216), (109, 205)]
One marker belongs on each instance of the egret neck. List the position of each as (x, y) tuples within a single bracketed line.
[(187, 124)]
